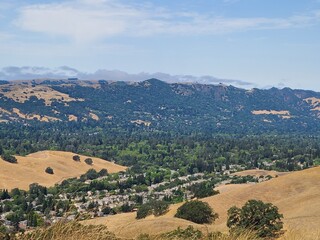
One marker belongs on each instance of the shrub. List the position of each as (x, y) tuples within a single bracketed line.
[(49, 170), (258, 216), (197, 212), (188, 233), (69, 230), (88, 161)]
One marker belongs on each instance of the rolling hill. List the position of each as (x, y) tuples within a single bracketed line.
[(31, 169), (296, 194)]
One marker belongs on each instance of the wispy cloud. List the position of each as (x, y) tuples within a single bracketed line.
[(91, 20), (25, 73)]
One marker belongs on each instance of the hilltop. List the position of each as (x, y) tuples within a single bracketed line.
[(296, 194), (31, 169), (157, 105)]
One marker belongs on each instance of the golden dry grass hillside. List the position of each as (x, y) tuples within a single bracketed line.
[(259, 172), (31, 169), (296, 194)]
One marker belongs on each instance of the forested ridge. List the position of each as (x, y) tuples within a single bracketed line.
[(153, 105)]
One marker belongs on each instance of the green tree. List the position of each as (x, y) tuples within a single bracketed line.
[(4, 194), (34, 219), (88, 161), (197, 211), (256, 215), (202, 190), (103, 172), (76, 158), (144, 211), (9, 158), (160, 207), (49, 170)]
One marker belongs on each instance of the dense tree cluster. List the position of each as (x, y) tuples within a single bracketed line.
[(256, 215), (187, 154), (156, 208), (197, 211)]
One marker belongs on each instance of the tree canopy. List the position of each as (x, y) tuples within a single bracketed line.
[(197, 212), (256, 215)]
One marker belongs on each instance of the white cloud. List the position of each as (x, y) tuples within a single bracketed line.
[(91, 20), (80, 20), (26, 72)]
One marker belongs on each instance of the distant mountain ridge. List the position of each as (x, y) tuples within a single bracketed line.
[(157, 105)]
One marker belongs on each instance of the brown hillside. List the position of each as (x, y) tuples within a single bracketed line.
[(297, 195), (259, 172), (31, 169)]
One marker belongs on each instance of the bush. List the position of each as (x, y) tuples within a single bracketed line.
[(9, 158), (49, 170), (88, 161), (186, 234), (258, 216), (76, 158), (69, 230), (197, 212)]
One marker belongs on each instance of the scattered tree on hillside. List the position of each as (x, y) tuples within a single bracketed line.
[(9, 158), (197, 211), (160, 207), (157, 208), (88, 161), (103, 172), (49, 170), (4, 194), (203, 189), (144, 211), (76, 158), (258, 216)]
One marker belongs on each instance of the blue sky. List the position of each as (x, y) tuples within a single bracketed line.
[(251, 43)]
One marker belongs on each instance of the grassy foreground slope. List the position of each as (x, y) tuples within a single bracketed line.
[(31, 169), (297, 195)]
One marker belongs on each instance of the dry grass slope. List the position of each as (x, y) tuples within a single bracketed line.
[(31, 169), (259, 172), (23, 92), (70, 231), (296, 194)]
